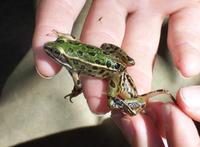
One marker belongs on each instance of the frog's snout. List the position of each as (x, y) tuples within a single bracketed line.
[(48, 47)]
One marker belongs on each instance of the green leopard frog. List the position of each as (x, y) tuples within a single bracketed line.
[(106, 62)]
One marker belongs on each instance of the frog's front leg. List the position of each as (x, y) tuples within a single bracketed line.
[(77, 85), (59, 34)]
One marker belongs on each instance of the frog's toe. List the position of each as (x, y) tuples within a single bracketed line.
[(70, 97), (75, 92), (125, 107)]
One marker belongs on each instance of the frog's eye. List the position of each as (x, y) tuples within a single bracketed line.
[(61, 39)]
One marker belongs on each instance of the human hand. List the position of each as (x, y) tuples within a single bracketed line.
[(165, 124), (134, 25)]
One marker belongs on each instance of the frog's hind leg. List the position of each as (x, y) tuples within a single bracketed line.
[(148, 95), (138, 104), (114, 90), (77, 85), (128, 87)]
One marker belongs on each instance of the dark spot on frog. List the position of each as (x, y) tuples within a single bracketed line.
[(80, 53), (108, 64), (75, 62), (97, 61), (112, 51), (106, 52), (105, 75), (89, 70), (116, 48), (56, 53), (101, 71), (70, 50), (82, 67), (94, 68), (130, 81), (78, 82), (112, 84), (131, 95), (123, 84), (91, 53)]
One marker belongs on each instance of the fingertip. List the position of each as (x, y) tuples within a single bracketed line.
[(95, 92), (188, 61), (45, 66), (173, 120), (189, 102), (98, 105)]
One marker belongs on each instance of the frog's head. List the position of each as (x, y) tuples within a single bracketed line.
[(55, 50)]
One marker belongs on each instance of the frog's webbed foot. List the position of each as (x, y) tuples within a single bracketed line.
[(75, 92), (123, 106), (138, 104), (129, 106), (120, 104)]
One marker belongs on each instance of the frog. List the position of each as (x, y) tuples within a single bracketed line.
[(108, 62)]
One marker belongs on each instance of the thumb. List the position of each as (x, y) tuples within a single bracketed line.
[(188, 98)]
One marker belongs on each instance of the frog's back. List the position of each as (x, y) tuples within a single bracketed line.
[(91, 59)]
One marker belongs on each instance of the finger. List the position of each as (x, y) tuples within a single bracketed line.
[(59, 15), (188, 98), (155, 114), (184, 39), (176, 123), (141, 43), (100, 28), (139, 130)]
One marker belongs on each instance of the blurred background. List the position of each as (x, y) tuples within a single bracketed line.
[(16, 29)]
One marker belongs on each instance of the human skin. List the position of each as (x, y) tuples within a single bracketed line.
[(135, 26)]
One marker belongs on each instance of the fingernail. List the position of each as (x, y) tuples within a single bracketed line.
[(94, 103), (98, 105), (41, 75), (191, 97)]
